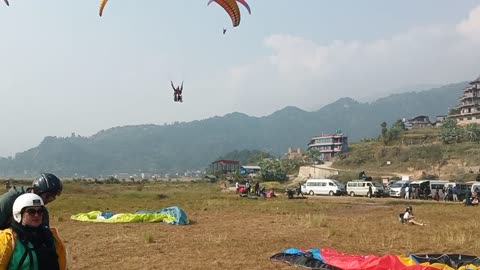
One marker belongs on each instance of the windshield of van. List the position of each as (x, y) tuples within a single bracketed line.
[(338, 184)]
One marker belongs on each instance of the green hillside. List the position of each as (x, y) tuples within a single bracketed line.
[(418, 153), (179, 147)]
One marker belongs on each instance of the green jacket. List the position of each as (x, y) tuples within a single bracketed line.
[(11, 251), (6, 204)]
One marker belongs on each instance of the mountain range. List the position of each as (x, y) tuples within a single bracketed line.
[(193, 145)]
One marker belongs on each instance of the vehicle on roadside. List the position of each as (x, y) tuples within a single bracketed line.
[(461, 189), (323, 187), (398, 189), (361, 188), (474, 187), (428, 188)]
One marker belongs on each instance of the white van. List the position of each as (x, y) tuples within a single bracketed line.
[(475, 186), (461, 189), (397, 189), (433, 186), (323, 187), (360, 188)]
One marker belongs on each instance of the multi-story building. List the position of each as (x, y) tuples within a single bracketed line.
[(329, 145), (468, 110), (420, 121)]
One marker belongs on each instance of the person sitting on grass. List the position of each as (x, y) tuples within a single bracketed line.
[(271, 193), (409, 217), (475, 201)]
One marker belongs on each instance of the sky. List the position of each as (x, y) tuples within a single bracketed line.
[(64, 69)]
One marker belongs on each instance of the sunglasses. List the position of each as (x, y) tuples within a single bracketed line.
[(33, 211)]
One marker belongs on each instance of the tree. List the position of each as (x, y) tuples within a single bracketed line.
[(472, 132), (313, 154), (258, 156), (399, 124), (291, 165), (450, 132), (272, 169), (384, 129), (393, 133)]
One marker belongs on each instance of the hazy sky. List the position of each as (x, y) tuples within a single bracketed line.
[(64, 69)]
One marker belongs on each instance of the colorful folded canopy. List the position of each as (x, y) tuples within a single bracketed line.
[(171, 215), (333, 260)]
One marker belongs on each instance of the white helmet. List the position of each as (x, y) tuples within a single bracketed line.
[(25, 200)]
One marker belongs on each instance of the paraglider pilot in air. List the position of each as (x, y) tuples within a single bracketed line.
[(177, 95)]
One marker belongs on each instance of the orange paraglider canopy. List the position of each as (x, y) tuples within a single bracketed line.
[(231, 8), (102, 6)]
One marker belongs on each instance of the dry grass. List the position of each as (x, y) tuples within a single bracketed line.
[(230, 232)]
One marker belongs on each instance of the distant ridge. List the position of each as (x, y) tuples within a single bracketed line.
[(193, 145)]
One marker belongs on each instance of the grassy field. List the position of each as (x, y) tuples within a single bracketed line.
[(231, 232)]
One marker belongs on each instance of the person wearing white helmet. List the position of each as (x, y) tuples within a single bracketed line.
[(28, 244), (46, 185)]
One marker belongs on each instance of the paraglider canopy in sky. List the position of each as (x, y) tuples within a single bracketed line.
[(231, 7), (102, 6)]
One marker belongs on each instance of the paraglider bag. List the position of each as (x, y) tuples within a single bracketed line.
[(400, 218)]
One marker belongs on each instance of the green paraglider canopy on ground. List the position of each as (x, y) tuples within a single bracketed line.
[(171, 215)]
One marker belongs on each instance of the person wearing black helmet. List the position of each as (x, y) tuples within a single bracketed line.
[(46, 185)]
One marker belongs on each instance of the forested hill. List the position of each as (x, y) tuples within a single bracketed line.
[(193, 145)]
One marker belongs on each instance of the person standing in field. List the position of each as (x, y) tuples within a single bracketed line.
[(407, 193), (454, 194), (46, 185)]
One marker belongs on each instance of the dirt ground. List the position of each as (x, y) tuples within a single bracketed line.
[(229, 232), (224, 240)]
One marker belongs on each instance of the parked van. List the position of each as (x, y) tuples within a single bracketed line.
[(475, 186), (397, 189), (428, 188), (323, 187), (461, 189), (360, 188)]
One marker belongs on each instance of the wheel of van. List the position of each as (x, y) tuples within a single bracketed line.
[(311, 193), (331, 193), (352, 194)]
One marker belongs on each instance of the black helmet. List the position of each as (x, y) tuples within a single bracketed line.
[(47, 182)]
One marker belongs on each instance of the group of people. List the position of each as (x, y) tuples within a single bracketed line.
[(449, 194), (415, 192), (26, 240), (257, 190)]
